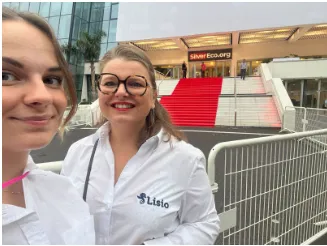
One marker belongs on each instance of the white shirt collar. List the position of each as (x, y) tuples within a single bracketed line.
[(103, 132)]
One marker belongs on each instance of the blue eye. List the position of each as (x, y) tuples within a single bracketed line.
[(53, 81), (8, 77)]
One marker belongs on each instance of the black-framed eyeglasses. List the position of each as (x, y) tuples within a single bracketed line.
[(135, 85)]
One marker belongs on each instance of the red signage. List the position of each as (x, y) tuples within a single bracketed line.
[(210, 55)]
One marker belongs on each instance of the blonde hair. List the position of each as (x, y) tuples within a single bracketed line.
[(39, 23), (159, 117)]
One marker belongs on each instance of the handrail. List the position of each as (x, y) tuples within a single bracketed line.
[(159, 72), (162, 81)]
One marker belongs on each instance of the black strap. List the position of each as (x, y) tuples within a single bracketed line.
[(86, 184)]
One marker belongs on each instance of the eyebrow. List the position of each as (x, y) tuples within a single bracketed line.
[(20, 65), (12, 62), (54, 69)]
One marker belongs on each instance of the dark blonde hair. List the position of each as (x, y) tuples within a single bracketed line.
[(39, 23), (161, 118)]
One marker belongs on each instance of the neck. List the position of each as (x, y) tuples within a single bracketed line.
[(125, 135), (13, 164)]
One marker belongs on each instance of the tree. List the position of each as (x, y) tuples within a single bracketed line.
[(89, 46)]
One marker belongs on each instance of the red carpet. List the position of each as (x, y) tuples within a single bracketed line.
[(194, 102)]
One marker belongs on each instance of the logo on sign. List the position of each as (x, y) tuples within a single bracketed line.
[(210, 55)]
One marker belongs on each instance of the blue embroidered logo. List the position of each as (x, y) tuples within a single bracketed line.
[(154, 202)]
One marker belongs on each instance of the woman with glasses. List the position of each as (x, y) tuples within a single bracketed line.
[(144, 184), (38, 207)]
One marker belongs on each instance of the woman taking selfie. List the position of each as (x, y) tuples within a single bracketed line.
[(38, 207), (144, 184)]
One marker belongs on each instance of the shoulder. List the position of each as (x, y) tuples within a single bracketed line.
[(184, 154), (188, 150), (84, 142), (48, 191), (78, 154), (49, 186)]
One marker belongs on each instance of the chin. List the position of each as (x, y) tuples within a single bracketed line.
[(124, 120), (36, 141)]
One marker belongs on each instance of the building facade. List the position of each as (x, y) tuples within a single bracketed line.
[(219, 34), (223, 34), (69, 19)]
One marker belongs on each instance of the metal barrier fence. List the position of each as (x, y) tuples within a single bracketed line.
[(83, 116), (306, 119), (274, 188)]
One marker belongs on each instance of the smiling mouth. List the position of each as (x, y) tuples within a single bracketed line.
[(122, 106), (35, 121)]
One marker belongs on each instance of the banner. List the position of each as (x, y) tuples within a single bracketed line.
[(210, 55)]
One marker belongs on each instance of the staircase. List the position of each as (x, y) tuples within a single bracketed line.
[(194, 102), (254, 107)]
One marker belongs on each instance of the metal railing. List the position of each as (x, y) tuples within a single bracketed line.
[(306, 119), (83, 116), (165, 75), (161, 76), (274, 188)]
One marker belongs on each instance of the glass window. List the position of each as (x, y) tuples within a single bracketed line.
[(76, 28), (64, 26), (6, 4), (111, 45), (96, 15), (66, 8), (14, 6), (55, 9), (24, 6), (114, 11), (107, 4), (310, 92), (44, 9), (106, 13), (79, 9), (255, 67), (105, 27), (84, 27), (103, 50), (54, 22), (112, 31), (34, 7), (323, 94), (94, 27), (294, 91), (98, 5), (63, 41), (86, 11)]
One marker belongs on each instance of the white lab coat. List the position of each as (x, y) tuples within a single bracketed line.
[(162, 196), (55, 213)]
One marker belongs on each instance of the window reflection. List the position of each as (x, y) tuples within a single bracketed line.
[(323, 94), (114, 11), (64, 26), (24, 6), (112, 31), (105, 27), (55, 9), (44, 9), (54, 22), (34, 7), (66, 8)]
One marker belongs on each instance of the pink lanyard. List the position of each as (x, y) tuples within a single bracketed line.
[(14, 180)]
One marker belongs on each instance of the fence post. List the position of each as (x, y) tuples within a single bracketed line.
[(304, 121), (235, 110)]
